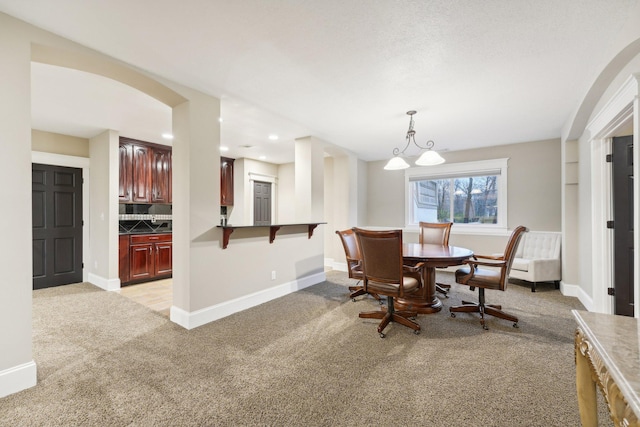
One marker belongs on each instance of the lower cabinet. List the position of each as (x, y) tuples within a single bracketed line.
[(123, 264), (149, 257)]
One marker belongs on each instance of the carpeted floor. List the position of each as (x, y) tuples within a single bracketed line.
[(304, 359)]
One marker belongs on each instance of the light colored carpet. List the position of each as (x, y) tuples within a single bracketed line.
[(304, 359)]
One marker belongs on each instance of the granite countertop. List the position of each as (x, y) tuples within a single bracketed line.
[(616, 339), (123, 233)]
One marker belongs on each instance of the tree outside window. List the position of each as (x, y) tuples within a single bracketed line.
[(466, 200)]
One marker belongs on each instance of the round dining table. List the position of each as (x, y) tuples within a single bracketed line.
[(424, 300)]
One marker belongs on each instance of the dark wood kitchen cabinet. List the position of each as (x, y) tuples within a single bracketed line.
[(226, 181), (126, 173), (123, 252), (161, 176), (145, 172), (150, 257), (141, 166)]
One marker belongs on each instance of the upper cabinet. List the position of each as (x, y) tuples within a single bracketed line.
[(145, 172), (161, 176), (226, 181), (126, 173)]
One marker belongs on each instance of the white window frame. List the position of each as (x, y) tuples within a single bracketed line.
[(454, 170)]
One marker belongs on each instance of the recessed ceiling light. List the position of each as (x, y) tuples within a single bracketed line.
[(262, 157), (223, 148), (167, 136), (220, 119), (273, 137)]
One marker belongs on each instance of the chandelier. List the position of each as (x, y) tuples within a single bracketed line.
[(429, 158)]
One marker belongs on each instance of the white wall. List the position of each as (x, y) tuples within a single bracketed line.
[(103, 209), (48, 142), (17, 368), (209, 282), (534, 192), (286, 193)]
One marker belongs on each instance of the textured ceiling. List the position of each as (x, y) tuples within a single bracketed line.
[(479, 73)]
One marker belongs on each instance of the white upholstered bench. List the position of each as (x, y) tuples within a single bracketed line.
[(538, 258)]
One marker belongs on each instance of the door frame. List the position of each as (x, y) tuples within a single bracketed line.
[(617, 114), (273, 180), (79, 163)]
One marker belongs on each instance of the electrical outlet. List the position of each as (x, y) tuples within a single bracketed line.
[(273, 275)]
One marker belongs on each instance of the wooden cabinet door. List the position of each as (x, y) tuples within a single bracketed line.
[(141, 261), (141, 161), (163, 261), (226, 181), (161, 176), (123, 252), (126, 173)]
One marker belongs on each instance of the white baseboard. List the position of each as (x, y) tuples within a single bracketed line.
[(570, 290), (18, 378), (190, 320), (101, 282), (339, 266)]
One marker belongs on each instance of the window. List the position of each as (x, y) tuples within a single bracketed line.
[(471, 194)]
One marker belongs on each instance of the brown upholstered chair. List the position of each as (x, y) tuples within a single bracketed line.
[(482, 279), (354, 263), (384, 275), (436, 233)]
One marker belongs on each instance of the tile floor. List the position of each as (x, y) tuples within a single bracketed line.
[(157, 295)]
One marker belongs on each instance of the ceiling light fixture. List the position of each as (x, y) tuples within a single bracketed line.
[(223, 148), (167, 136), (273, 137), (428, 158)]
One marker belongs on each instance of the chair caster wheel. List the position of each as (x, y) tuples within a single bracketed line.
[(515, 325), (380, 302), (485, 327), (382, 335), (417, 332), (453, 315), (353, 299)]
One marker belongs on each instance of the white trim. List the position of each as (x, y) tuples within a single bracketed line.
[(83, 163), (339, 266), (601, 125), (576, 291), (457, 169), (616, 113), (60, 160), (18, 378), (469, 230), (190, 320), (273, 180), (103, 283)]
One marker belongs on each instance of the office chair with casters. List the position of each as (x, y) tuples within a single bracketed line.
[(436, 233), (384, 274), (354, 263), (483, 278)]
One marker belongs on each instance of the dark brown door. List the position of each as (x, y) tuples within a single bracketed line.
[(261, 203), (623, 224), (57, 225)]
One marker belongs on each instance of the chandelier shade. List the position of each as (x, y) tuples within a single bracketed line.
[(429, 157), (396, 163)]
